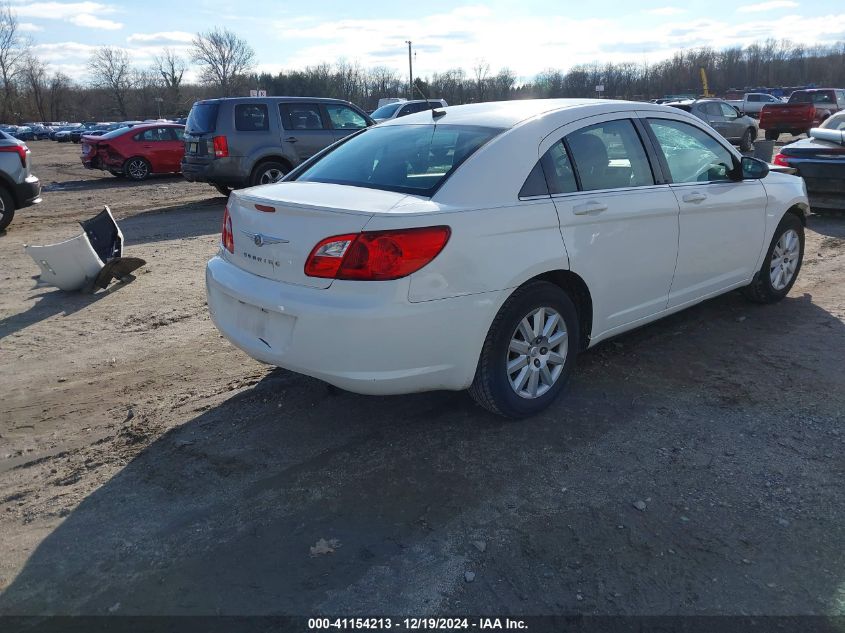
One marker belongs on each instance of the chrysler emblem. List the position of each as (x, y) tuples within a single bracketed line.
[(260, 239)]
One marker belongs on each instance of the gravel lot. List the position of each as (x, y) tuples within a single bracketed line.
[(146, 466)]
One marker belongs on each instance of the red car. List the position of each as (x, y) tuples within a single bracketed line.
[(136, 152)]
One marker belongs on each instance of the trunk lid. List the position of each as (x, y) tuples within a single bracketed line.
[(787, 115), (276, 244)]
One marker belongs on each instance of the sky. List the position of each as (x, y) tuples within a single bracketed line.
[(527, 37)]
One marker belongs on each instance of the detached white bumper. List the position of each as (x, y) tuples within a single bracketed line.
[(364, 337)]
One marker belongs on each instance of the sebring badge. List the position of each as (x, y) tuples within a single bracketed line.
[(260, 239)]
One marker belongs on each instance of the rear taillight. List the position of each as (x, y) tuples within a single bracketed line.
[(228, 238), (376, 255), (780, 159), (221, 146), (20, 150)]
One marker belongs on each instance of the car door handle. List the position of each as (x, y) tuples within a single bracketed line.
[(591, 206), (695, 196), (291, 139)]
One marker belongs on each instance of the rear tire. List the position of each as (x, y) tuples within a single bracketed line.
[(782, 263), (772, 135), (529, 352), (136, 168), (268, 172), (7, 209), (223, 190)]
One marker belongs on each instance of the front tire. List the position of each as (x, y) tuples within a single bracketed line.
[(136, 169), (782, 263), (7, 209), (223, 190), (529, 352)]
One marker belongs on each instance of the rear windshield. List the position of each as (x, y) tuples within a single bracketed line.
[(812, 97), (386, 111), (413, 159), (203, 118), (116, 133)]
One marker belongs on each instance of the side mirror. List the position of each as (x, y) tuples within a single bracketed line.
[(753, 168)]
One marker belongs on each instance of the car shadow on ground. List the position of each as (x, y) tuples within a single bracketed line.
[(183, 221), (831, 224), (290, 498), (51, 302), (107, 182)]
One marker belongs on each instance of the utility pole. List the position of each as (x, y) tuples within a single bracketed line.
[(410, 69)]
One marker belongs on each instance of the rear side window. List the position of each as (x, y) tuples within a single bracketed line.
[(203, 118), (692, 154), (302, 116), (610, 156), (154, 134), (251, 117), (535, 184)]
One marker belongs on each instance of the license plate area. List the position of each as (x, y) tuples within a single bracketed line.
[(267, 327), (193, 148)]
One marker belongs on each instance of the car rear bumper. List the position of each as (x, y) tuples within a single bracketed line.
[(364, 337), (220, 171), (28, 192)]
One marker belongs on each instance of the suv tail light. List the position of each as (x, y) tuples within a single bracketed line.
[(221, 146), (780, 159), (20, 150), (228, 237), (376, 255)]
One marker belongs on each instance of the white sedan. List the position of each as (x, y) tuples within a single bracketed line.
[(485, 246)]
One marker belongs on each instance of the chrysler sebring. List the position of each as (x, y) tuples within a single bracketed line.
[(483, 247)]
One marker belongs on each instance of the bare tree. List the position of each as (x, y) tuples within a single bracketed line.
[(110, 70), (12, 49), (59, 89), (171, 68), (35, 78), (481, 71), (224, 58)]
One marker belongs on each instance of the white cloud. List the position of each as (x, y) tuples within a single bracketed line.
[(29, 27), (78, 13), (667, 11), (162, 37), (91, 21), (456, 39), (60, 10), (767, 6)]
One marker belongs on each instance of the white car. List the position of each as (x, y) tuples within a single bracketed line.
[(487, 245)]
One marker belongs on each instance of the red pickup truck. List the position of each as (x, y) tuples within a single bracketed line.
[(804, 110)]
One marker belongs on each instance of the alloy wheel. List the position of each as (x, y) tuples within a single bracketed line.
[(270, 176), (784, 261), (537, 353), (138, 169)]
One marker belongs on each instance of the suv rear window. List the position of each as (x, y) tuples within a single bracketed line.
[(414, 159), (203, 118)]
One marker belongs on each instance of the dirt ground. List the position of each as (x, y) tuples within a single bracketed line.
[(148, 467)]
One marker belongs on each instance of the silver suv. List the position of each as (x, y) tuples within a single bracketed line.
[(247, 141), (18, 187), (738, 128), (404, 108)]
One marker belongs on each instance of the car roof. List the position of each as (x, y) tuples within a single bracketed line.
[(290, 99), (508, 114)]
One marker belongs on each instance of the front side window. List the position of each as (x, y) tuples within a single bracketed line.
[(413, 159), (728, 111), (691, 154), (345, 118), (610, 156), (386, 111), (302, 116), (251, 117)]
